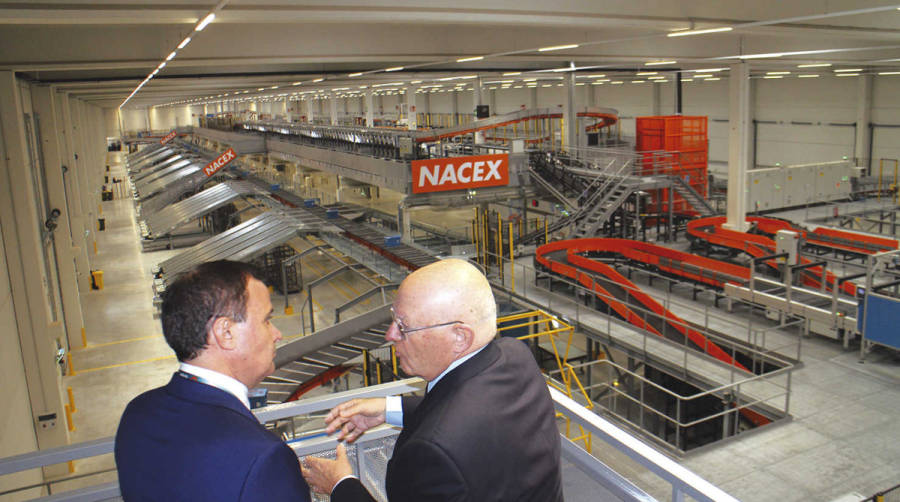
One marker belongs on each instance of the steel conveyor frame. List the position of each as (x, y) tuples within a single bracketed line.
[(198, 205)]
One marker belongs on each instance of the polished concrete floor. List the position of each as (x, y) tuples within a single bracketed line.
[(844, 436)]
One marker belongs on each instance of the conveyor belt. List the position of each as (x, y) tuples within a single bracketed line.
[(144, 175), (191, 173), (171, 217), (407, 256), (567, 258), (132, 158), (712, 231), (149, 160), (311, 360), (241, 243)]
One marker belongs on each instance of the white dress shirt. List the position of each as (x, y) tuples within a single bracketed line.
[(219, 381)]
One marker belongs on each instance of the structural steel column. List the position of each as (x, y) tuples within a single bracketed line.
[(333, 102), (532, 98), (45, 111), (37, 332), (411, 119), (454, 108), (310, 110), (79, 171), (738, 145), (477, 100), (656, 89), (370, 109), (863, 119), (571, 122)]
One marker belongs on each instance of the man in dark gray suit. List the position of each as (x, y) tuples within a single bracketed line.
[(485, 430)]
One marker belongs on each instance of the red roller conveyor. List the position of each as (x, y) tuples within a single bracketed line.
[(711, 230), (605, 120), (673, 261)]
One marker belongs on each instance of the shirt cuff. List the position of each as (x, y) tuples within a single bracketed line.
[(349, 476), (393, 411)]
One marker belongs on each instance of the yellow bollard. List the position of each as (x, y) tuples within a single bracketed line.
[(95, 247), (83, 337), (69, 421), (98, 277), (512, 269), (71, 399), (71, 466), (69, 361), (289, 310)]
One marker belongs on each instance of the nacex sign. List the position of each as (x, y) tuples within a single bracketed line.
[(168, 137), (459, 173), (220, 162)]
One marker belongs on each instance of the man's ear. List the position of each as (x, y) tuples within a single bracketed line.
[(220, 334), (464, 337)]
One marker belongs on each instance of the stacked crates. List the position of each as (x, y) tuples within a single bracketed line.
[(674, 145)]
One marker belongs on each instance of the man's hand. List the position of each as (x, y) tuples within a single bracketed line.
[(355, 417), (322, 474)]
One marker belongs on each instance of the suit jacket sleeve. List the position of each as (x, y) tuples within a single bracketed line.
[(275, 476), (351, 490), (433, 475), (409, 403)]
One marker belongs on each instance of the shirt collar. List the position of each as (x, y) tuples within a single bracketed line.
[(219, 381), (450, 368)]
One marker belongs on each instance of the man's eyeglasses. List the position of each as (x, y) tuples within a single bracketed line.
[(404, 331)]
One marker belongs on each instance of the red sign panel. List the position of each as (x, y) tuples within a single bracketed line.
[(220, 162), (168, 137), (458, 173)]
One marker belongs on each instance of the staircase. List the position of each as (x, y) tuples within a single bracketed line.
[(604, 203), (687, 192)]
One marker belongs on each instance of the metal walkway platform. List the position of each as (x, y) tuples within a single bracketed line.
[(173, 216)]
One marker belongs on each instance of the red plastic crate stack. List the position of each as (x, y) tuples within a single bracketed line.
[(674, 145)]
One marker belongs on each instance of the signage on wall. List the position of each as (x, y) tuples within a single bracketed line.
[(220, 162), (457, 173), (168, 137)]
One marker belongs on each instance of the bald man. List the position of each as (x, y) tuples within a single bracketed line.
[(485, 430)]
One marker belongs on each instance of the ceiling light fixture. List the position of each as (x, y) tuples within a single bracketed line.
[(839, 70), (357, 74), (814, 65), (847, 75), (206, 20), (558, 48), (809, 75), (640, 73), (394, 68), (473, 58), (171, 55), (512, 73), (318, 80), (655, 63), (699, 32), (184, 43), (778, 73), (889, 72)]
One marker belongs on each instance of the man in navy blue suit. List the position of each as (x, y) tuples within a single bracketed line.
[(195, 439)]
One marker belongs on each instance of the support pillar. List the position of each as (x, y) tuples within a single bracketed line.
[(404, 223), (656, 89), (738, 146), (863, 143), (477, 100), (411, 118), (310, 110), (454, 108), (570, 131), (332, 100), (532, 98), (370, 109), (78, 218)]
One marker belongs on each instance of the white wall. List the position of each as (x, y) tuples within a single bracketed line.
[(886, 110), (15, 414), (134, 119)]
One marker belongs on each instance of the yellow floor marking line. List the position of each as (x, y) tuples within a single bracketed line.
[(106, 344), (110, 366)]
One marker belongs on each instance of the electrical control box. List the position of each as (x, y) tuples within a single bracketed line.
[(788, 242)]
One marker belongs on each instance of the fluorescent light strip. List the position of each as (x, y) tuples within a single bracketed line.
[(474, 58), (808, 76), (773, 76), (646, 73), (814, 65), (512, 73), (889, 72), (171, 55), (394, 68), (778, 73), (839, 70), (655, 63), (699, 32), (558, 48), (206, 20), (184, 43), (357, 74), (847, 75), (318, 80)]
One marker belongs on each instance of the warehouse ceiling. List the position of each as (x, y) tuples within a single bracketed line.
[(102, 50)]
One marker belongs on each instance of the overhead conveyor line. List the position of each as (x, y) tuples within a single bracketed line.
[(157, 168), (190, 173), (197, 206), (606, 117), (137, 158), (149, 160), (158, 172)]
